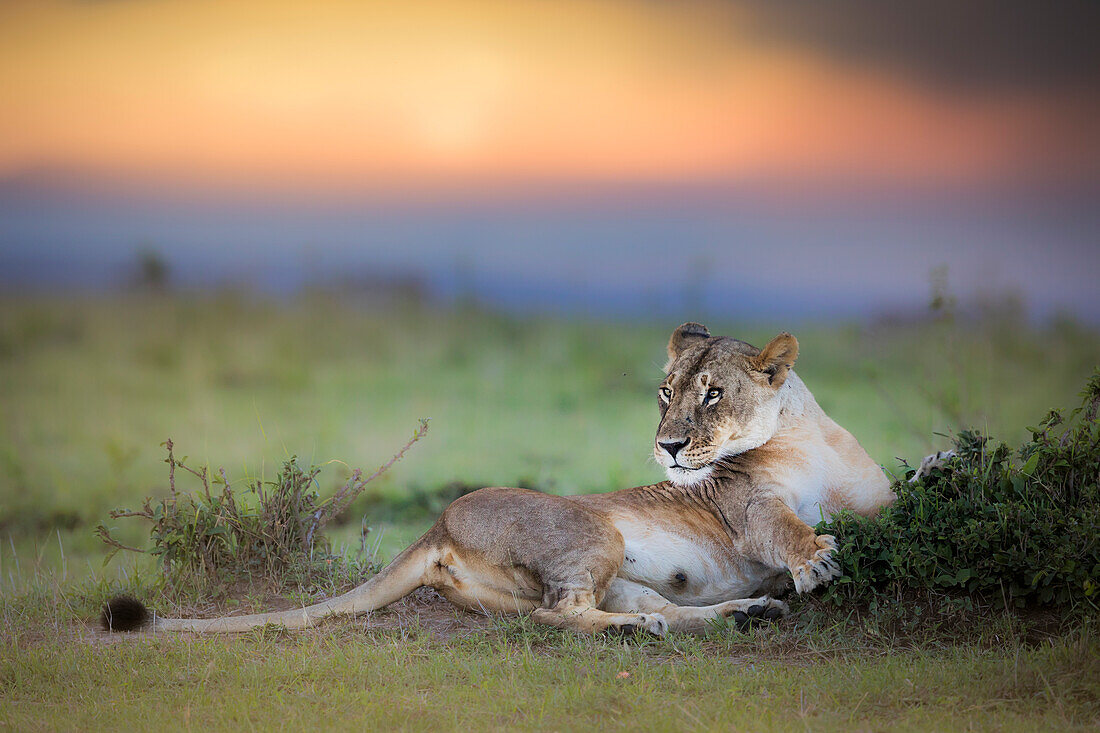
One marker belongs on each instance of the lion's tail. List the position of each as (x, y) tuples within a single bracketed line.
[(402, 576)]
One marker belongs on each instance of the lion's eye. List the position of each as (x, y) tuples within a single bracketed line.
[(713, 394), (666, 393)]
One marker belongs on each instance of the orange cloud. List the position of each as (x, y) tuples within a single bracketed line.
[(352, 94)]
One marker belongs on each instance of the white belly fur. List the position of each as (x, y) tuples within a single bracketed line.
[(654, 555)]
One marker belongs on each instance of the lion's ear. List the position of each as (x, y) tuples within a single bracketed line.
[(776, 359), (684, 336)]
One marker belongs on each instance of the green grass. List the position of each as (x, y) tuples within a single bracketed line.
[(90, 388), (525, 677)]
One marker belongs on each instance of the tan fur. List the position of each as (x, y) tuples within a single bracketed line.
[(756, 463)]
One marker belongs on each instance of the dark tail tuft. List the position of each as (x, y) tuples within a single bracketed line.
[(124, 613)]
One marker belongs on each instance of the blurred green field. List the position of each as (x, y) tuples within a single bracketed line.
[(90, 387)]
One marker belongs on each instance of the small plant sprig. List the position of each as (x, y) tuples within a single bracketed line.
[(271, 532), (1012, 529)]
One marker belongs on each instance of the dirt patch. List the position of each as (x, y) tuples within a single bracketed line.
[(426, 610)]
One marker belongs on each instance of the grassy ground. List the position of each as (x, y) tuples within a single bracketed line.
[(89, 388), (516, 675)]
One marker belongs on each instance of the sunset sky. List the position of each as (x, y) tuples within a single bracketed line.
[(806, 158), (349, 95)]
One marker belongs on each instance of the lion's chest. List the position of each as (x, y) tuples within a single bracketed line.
[(817, 473), (689, 570)]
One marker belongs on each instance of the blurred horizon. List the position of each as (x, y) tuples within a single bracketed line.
[(688, 260)]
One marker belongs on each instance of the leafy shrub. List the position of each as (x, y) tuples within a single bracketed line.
[(270, 532), (1012, 529)]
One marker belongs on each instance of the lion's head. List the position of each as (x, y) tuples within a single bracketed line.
[(720, 398)]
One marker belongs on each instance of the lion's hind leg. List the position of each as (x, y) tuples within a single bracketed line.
[(625, 596), (475, 585), (577, 611)]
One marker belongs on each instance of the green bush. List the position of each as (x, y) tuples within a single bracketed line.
[(1014, 529), (271, 532)]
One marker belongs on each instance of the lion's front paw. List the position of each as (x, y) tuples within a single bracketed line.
[(652, 623), (819, 569)]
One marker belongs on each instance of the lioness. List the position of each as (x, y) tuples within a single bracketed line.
[(752, 463)]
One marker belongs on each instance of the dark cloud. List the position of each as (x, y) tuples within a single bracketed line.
[(969, 45)]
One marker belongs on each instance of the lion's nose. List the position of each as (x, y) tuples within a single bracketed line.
[(672, 448)]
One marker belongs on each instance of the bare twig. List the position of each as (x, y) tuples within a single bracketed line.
[(146, 511), (105, 535), (355, 485), (171, 468)]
